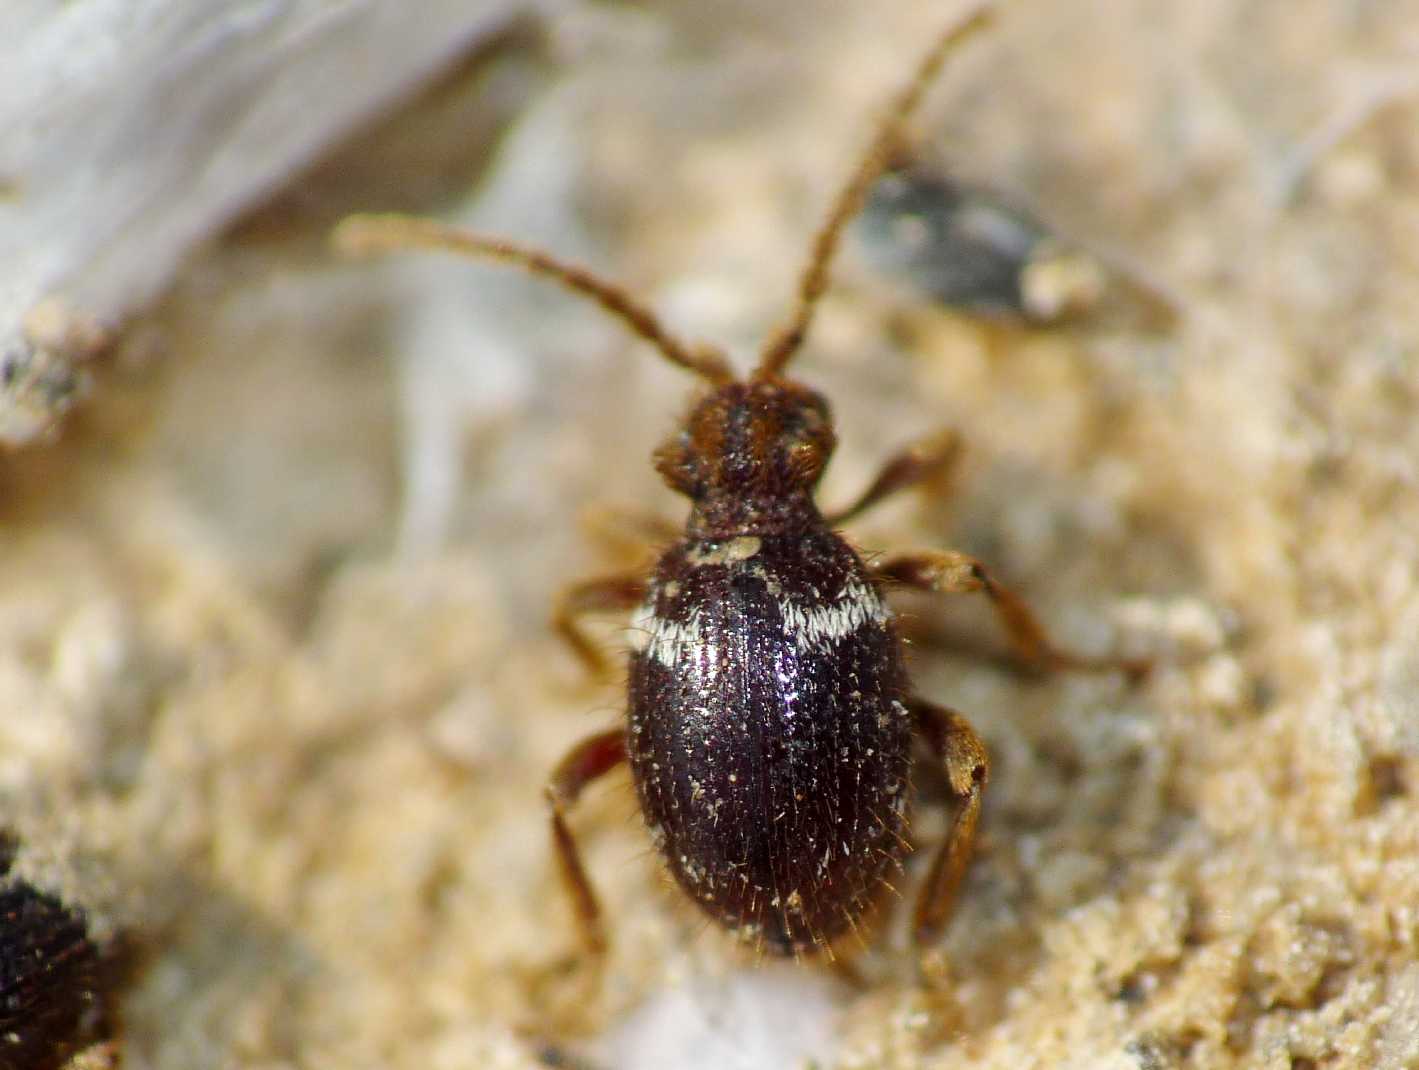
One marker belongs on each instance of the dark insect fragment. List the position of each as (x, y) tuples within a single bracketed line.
[(967, 247), (53, 978)]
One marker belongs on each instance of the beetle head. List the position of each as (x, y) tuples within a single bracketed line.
[(750, 448)]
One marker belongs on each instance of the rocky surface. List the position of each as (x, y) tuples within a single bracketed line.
[(305, 752)]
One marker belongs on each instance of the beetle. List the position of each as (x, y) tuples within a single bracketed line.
[(770, 719)]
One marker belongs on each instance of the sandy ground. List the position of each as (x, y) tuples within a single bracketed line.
[(298, 753)]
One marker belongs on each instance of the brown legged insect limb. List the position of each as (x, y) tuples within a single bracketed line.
[(584, 763), (923, 459), (962, 754), (949, 572), (604, 595), (626, 530)]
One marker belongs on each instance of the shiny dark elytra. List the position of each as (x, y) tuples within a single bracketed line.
[(769, 738), (770, 720)]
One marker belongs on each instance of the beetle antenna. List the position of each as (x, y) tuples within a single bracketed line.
[(787, 339), (362, 235)]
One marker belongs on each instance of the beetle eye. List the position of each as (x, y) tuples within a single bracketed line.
[(805, 458), (675, 461)]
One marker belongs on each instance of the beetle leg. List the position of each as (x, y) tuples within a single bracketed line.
[(628, 531), (602, 595), (950, 572), (953, 740), (927, 458), (587, 761)]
